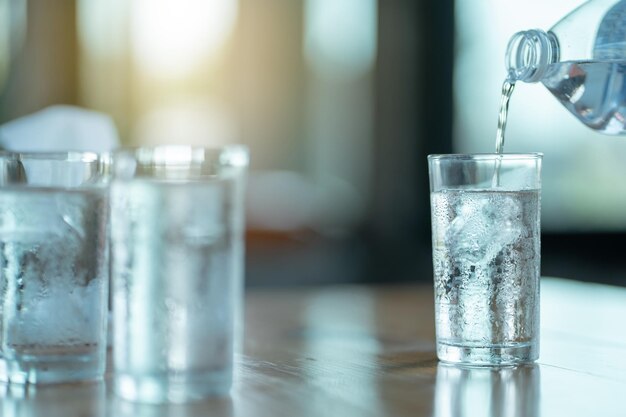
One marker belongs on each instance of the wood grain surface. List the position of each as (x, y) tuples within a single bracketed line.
[(369, 351)]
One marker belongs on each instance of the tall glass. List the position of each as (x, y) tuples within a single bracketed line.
[(53, 267), (177, 223), (485, 212)]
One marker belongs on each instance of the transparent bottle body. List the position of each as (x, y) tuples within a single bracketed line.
[(594, 31), (582, 61)]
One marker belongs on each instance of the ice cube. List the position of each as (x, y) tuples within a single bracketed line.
[(483, 226)]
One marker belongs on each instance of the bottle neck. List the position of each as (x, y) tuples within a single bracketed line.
[(529, 53)]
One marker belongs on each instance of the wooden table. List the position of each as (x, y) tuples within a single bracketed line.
[(369, 351)]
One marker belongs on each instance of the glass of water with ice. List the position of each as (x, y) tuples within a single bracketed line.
[(53, 267), (177, 220), (485, 212)]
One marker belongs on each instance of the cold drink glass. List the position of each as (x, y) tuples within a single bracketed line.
[(485, 212), (177, 227), (53, 267)]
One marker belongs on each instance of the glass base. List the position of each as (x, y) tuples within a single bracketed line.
[(52, 369), (493, 355), (170, 388)]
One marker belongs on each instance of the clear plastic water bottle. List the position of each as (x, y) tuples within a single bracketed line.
[(581, 60)]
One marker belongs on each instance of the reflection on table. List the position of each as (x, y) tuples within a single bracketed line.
[(511, 392), (369, 351)]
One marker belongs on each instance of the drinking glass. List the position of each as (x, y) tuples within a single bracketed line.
[(53, 266), (177, 222), (485, 212)]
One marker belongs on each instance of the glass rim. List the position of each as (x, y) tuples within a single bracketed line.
[(71, 156), (209, 148), (173, 154), (486, 156)]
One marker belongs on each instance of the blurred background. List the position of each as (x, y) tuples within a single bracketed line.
[(340, 102)]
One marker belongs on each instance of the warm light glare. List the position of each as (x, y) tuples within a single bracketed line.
[(172, 37), (187, 121)]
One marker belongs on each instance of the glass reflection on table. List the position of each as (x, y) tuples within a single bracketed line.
[(496, 392), (210, 407)]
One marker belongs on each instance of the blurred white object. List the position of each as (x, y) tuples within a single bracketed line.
[(60, 128)]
